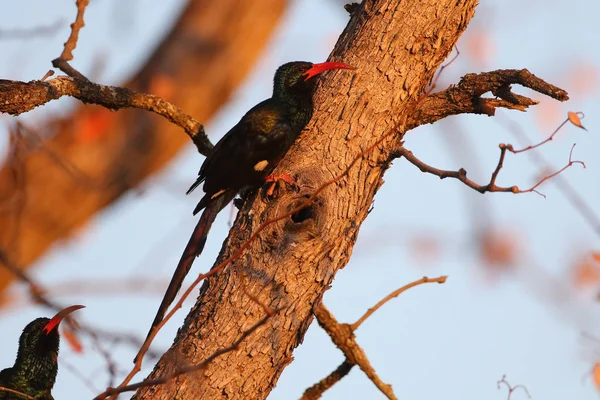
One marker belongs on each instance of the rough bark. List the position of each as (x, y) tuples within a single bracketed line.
[(201, 60), (396, 47)]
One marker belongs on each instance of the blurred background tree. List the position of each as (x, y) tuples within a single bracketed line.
[(523, 271)]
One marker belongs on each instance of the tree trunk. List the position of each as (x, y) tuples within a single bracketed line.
[(396, 47), (196, 67)]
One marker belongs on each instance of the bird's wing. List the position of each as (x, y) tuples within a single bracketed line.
[(206, 163), (258, 136)]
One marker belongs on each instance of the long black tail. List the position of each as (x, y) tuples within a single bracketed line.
[(192, 250)]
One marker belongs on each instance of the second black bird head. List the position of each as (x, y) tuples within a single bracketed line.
[(41, 335), (298, 78), (35, 368)]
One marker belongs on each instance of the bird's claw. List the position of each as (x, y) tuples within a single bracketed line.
[(275, 178)]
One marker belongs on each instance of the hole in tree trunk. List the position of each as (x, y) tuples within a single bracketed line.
[(302, 215)]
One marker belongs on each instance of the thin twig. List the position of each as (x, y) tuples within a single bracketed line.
[(21, 394), (316, 391), (577, 200), (396, 293), (533, 146), (434, 79), (511, 389), (461, 174), (62, 62), (545, 178)]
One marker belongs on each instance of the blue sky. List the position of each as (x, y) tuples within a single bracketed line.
[(453, 340)]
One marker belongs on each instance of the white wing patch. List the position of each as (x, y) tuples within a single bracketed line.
[(261, 165)]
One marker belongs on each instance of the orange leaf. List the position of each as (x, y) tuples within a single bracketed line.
[(72, 339), (94, 123), (575, 119), (596, 374), (498, 248), (586, 274), (596, 256)]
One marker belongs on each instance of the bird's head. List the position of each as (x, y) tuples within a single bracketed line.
[(40, 336), (298, 78)]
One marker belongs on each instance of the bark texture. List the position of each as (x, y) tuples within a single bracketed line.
[(396, 46), (196, 67)]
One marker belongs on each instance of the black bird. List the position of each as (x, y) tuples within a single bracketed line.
[(248, 153), (36, 366)]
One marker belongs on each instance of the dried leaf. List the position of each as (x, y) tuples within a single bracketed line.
[(596, 374), (586, 274), (94, 123), (498, 248), (575, 119), (72, 339)]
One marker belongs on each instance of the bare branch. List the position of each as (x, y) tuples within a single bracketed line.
[(436, 78), (62, 62), (396, 293), (18, 97), (510, 388), (545, 178), (533, 146), (579, 203), (465, 98), (461, 174), (343, 337), (316, 391)]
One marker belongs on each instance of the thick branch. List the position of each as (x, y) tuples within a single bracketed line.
[(466, 97), (19, 97), (343, 337)]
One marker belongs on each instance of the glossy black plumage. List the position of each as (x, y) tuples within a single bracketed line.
[(35, 368), (248, 153)]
